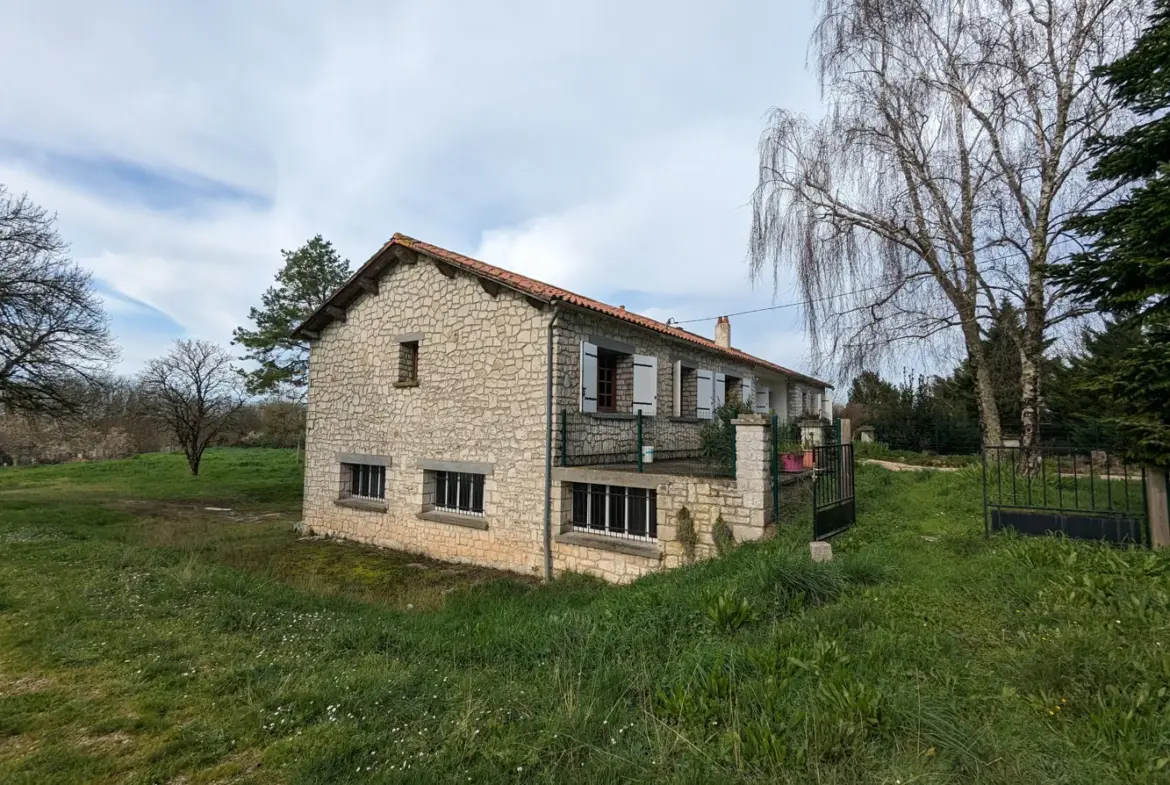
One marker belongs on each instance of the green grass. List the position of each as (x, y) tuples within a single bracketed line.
[(144, 639)]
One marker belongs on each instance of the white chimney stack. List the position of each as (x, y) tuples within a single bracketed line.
[(723, 332)]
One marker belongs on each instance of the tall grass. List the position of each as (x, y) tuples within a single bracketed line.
[(144, 638)]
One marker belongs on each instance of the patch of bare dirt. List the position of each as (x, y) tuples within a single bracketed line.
[(22, 685), (908, 467)]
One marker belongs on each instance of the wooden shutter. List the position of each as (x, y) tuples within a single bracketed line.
[(588, 377), (720, 390), (645, 385), (747, 393), (706, 398), (763, 400)]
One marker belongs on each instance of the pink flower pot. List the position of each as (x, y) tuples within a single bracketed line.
[(792, 461)]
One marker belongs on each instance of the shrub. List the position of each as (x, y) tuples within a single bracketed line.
[(723, 536), (717, 437)]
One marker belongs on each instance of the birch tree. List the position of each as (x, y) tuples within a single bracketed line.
[(940, 183)]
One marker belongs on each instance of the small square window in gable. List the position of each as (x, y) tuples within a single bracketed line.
[(408, 363)]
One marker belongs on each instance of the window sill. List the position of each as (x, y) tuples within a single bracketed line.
[(410, 383), (362, 504), (687, 419), (466, 521), (611, 416), (648, 550)]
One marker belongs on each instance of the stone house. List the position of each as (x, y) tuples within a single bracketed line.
[(430, 427)]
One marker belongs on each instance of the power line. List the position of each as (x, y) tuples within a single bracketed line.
[(673, 321)]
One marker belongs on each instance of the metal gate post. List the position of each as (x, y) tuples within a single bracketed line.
[(564, 437), (641, 468), (775, 468), (986, 520)]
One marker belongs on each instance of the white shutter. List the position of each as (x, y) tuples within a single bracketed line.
[(588, 377), (720, 390), (763, 400), (706, 397), (678, 388), (747, 394), (645, 385)]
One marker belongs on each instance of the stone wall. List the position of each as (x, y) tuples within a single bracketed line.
[(480, 398), (480, 402)]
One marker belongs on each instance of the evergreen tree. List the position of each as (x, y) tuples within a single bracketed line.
[(309, 276), (1126, 269)]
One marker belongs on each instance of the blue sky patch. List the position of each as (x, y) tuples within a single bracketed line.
[(127, 181)]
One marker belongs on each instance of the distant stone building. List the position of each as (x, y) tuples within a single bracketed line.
[(429, 428)]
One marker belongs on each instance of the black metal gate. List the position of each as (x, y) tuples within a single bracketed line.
[(833, 507), (1093, 496)]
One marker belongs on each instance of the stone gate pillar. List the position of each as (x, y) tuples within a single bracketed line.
[(753, 472)]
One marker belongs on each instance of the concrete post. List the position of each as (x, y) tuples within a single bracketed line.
[(846, 430), (1158, 507), (753, 473)]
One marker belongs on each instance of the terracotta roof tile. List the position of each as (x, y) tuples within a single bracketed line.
[(544, 291)]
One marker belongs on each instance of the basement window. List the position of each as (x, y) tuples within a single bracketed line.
[(363, 481), (614, 510), (457, 493)]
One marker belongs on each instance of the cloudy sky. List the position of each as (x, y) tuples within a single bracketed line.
[(607, 147)]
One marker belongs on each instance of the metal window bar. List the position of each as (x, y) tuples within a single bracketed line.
[(459, 493), (362, 481), (615, 511)]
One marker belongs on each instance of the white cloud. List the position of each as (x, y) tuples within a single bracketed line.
[(608, 147)]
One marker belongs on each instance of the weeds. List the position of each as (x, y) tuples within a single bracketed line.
[(143, 638)]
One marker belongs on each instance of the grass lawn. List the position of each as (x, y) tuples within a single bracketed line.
[(145, 638)]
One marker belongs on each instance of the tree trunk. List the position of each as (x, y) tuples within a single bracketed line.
[(984, 388), (193, 460), (1031, 346)]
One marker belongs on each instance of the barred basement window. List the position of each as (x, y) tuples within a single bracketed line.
[(362, 481), (460, 493), (615, 510)]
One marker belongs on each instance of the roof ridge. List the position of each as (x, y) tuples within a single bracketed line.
[(546, 291)]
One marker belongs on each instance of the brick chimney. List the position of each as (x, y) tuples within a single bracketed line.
[(723, 332)]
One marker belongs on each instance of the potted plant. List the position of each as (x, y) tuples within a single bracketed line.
[(791, 456)]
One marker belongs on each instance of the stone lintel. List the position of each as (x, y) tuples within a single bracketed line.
[(407, 338), (609, 477), (470, 467), (368, 460), (614, 346), (648, 550)]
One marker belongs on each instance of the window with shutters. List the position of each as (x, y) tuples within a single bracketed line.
[(363, 481), (607, 371)]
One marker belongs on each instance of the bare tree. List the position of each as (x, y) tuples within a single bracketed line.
[(194, 391), (940, 183), (53, 330)]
